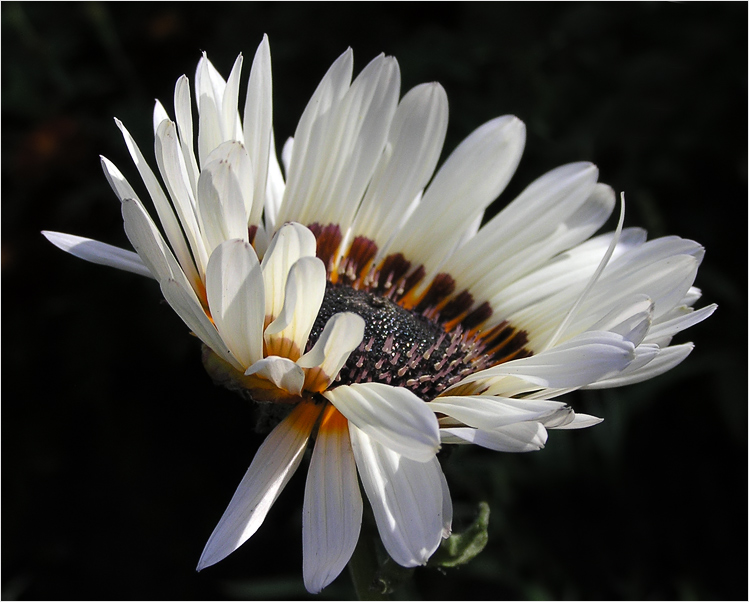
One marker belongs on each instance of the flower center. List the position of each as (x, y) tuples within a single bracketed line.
[(400, 347)]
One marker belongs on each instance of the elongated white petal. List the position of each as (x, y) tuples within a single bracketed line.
[(164, 210), (665, 282), (414, 144), (147, 241), (488, 412), (183, 118), (353, 144), (159, 115), (587, 358), (281, 371), (309, 136), (678, 320), (568, 271), (406, 498), (447, 508), (501, 271), (271, 468), (209, 93), (230, 124), (515, 438), (236, 297), (274, 191), (173, 170), (471, 178), (290, 243), (99, 252), (117, 181), (665, 360), (342, 334), (332, 514), (258, 125), (393, 416), (546, 203), (188, 307), (225, 195), (305, 288), (631, 318), (581, 421)]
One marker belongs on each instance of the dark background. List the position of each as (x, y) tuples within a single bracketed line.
[(119, 455)]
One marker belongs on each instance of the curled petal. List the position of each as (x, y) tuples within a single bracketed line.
[(281, 371), (394, 417), (342, 334), (406, 498)]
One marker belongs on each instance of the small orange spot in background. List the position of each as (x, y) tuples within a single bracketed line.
[(58, 141), (165, 25)]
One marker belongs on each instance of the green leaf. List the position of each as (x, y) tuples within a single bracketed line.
[(460, 548)]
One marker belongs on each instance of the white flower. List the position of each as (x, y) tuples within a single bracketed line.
[(361, 293)]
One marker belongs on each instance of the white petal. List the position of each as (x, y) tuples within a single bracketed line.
[(258, 125), (188, 307), (581, 421), (471, 178), (290, 243), (393, 416), (678, 320), (274, 191), (164, 210), (148, 242), (99, 252), (281, 371), (342, 334), (529, 219), (230, 123), (667, 358), (236, 297), (447, 508), (515, 438), (305, 288), (572, 229), (578, 362), (173, 170), (309, 138), (631, 318), (272, 467), (225, 194), (414, 145), (571, 270), (332, 514), (159, 115), (209, 91), (489, 412), (353, 144), (183, 118), (406, 498)]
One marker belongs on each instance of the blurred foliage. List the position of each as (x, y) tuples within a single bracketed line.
[(120, 455)]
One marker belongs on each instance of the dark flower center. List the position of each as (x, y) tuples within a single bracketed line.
[(400, 347)]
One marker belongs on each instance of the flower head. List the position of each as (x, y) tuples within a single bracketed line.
[(359, 294)]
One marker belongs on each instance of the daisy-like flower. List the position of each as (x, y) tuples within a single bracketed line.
[(358, 294)]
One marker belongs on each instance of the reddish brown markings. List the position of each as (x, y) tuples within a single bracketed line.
[(360, 254), (442, 287), (328, 240), (456, 307), (477, 316), (390, 271)]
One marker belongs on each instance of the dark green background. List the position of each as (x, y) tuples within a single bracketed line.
[(119, 455)]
